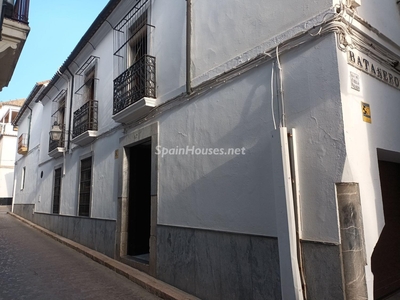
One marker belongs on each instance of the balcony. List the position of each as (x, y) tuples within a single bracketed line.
[(21, 11), (57, 146), (14, 31), (23, 144), (85, 123), (8, 129), (135, 91)]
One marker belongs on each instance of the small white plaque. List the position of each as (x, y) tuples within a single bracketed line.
[(355, 81)]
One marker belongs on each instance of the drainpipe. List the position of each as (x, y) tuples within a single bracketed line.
[(29, 127), (70, 109), (188, 46), (286, 200)]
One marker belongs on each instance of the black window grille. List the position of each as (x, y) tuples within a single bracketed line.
[(131, 36), (85, 118), (57, 191), (85, 187), (135, 69), (135, 83)]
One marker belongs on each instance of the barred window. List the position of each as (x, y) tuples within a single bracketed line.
[(57, 191), (85, 187), (131, 37)]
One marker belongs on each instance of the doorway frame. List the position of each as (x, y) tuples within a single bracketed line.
[(129, 140)]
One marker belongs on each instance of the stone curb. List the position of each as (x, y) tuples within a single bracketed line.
[(151, 284)]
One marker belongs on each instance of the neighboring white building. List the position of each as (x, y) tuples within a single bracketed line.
[(234, 149), (8, 142)]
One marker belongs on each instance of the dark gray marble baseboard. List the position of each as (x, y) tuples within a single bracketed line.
[(96, 234), (323, 270), (218, 265)]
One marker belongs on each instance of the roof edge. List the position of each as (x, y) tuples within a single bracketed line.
[(36, 89), (101, 18)]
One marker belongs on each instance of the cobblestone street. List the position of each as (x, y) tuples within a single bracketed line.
[(34, 266)]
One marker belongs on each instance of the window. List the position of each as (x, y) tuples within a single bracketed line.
[(57, 191), (23, 178), (85, 187), (137, 40), (86, 113), (61, 111), (86, 81), (134, 68), (89, 85), (131, 37)]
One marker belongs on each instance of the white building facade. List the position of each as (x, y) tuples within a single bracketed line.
[(235, 150), (8, 141)]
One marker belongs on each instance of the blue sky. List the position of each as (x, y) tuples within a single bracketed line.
[(56, 27)]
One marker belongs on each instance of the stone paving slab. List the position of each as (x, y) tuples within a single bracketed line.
[(151, 284)]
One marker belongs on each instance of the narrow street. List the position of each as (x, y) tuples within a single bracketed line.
[(34, 266)]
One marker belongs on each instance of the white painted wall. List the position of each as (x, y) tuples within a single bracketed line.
[(382, 15), (31, 160), (231, 193), (362, 141), (105, 174), (29, 194), (225, 29), (7, 158), (45, 128), (8, 149), (313, 107), (6, 182), (168, 45)]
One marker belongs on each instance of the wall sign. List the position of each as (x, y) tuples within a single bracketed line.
[(366, 112), (373, 68), (355, 81)]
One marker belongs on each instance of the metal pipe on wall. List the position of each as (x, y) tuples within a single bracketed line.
[(70, 109), (188, 46)]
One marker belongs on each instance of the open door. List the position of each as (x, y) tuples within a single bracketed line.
[(139, 216)]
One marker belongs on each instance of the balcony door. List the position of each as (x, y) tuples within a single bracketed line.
[(137, 40)]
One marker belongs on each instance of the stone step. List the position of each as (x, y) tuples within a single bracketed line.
[(5, 208)]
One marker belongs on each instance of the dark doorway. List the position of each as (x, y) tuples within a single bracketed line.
[(385, 260), (139, 201)]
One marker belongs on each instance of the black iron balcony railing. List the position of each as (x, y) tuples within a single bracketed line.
[(60, 143), (85, 118), (135, 83), (23, 144), (21, 11)]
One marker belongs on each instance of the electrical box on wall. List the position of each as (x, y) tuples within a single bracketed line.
[(354, 3)]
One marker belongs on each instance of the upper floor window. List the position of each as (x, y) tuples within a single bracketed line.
[(135, 69), (86, 81), (23, 178), (131, 37), (85, 105), (137, 46)]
